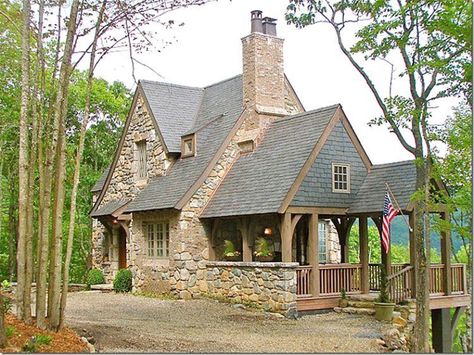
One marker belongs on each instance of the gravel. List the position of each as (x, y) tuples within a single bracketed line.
[(127, 323)]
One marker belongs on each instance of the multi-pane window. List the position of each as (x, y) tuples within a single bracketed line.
[(158, 237), (322, 231), (141, 159), (341, 178)]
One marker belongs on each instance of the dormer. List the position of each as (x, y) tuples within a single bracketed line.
[(188, 145)]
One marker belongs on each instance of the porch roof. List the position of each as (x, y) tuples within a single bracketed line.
[(401, 177), (109, 208)]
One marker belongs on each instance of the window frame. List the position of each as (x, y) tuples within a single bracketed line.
[(189, 138), (322, 244), (348, 177), (152, 246), (142, 159)]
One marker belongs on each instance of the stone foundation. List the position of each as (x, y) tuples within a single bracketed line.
[(271, 286)]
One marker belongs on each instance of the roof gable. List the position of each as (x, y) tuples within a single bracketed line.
[(258, 182)]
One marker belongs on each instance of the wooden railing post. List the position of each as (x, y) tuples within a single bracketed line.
[(446, 255), (313, 254), (364, 254)]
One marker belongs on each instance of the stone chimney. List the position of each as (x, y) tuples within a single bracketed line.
[(263, 76)]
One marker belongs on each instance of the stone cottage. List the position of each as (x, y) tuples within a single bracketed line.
[(238, 161)]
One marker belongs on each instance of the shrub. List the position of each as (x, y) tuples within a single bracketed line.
[(43, 339), (94, 277), (10, 330), (123, 281)]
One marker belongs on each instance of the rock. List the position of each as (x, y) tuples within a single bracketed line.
[(185, 295), (238, 306), (399, 321), (364, 311), (380, 342), (392, 338), (411, 318)]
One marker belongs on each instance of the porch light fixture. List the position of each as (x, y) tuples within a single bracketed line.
[(114, 221), (267, 231)]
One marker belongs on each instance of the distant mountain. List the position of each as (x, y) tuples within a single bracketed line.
[(399, 234)]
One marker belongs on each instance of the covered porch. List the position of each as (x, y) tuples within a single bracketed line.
[(320, 286)]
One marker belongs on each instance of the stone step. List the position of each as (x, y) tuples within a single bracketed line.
[(369, 297), (360, 304), (354, 310), (103, 287)]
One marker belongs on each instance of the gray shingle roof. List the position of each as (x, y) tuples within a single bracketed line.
[(99, 184), (174, 107), (401, 177), (258, 182), (109, 208), (166, 191)]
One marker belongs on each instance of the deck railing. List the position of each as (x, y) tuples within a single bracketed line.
[(333, 278), (303, 274)]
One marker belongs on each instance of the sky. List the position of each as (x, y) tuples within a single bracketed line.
[(208, 49)]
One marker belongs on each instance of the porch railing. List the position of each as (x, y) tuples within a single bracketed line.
[(337, 277), (303, 274), (333, 278)]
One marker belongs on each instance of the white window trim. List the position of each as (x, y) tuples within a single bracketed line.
[(155, 240), (348, 167)]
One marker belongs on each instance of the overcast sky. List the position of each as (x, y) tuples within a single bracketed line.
[(208, 49)]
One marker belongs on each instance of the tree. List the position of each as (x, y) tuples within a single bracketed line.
[(456, 170), (405, 33)]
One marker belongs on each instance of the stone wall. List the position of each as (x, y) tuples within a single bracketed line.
[(125, 182), (271, 286), (333, 248), (151, 274)]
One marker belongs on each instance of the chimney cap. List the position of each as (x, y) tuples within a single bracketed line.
[(269, 19), (256, 21), (256, 14)]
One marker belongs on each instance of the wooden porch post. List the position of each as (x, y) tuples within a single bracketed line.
[(364, 254), (286, 237), (313, 254), (246, 247), (211, 241), (411, 218), (446, 255)]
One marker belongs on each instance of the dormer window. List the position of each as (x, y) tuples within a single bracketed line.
[(188, 146), (341, 178), (141, 159)]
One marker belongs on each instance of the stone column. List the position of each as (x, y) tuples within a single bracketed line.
[(313, 254), (364, 254)]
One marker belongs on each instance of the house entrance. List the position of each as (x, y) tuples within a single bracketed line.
[(122, 248)]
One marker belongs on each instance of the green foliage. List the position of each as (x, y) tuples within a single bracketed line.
[(10, 330), (43, 339), (229, 248), (262, 247), (94, 277), (343, 293), (123, 281), (4, 272)]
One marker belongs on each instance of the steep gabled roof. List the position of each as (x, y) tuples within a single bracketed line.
[(220, 109), (174, 108), (401, 177), (259, 182), (109, 208)]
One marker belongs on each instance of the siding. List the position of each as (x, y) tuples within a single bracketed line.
[(316, 189)]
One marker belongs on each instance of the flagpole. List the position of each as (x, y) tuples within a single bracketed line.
[(398, 206)]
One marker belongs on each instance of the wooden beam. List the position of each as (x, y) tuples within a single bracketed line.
[(454, 321), (335, 211), (245, 232), (294, 221), (212, 239), (441, 330), (286, 238), (313, 254), (364, 254), (446, 255)]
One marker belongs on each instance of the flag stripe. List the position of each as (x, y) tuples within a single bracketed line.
[(389, 213)]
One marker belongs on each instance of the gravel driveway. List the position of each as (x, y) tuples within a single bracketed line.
[(126, 323)]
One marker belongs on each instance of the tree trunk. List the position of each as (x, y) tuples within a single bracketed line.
[(422, 324), (3, 335), (12, 232), (23, 311), (77, 166), (60, 112)]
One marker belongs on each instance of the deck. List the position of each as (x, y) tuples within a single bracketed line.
[(334, 278)]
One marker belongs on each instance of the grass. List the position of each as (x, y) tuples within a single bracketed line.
[(31, 346), (10, 330)]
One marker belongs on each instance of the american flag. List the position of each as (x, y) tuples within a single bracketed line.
[(389, 214)]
